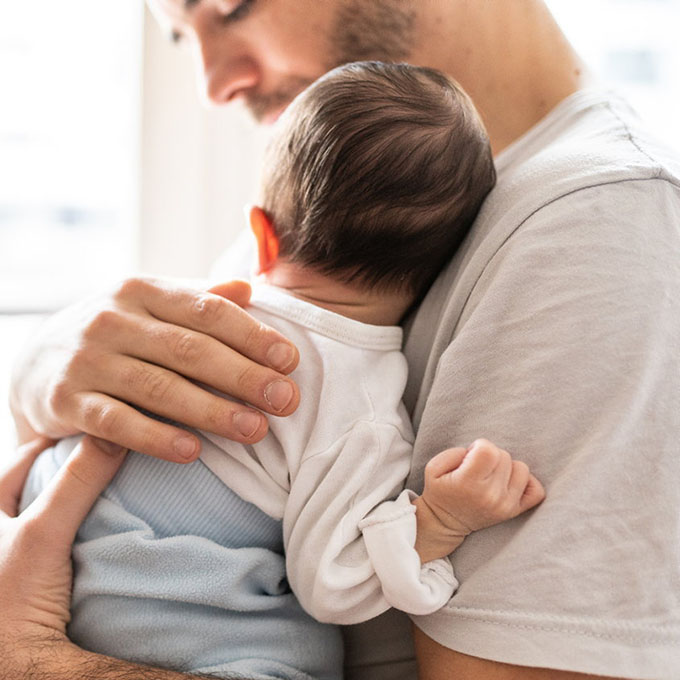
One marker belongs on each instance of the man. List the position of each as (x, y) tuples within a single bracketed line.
[(552, 332)]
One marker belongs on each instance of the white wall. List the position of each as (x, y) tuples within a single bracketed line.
[(199, 166)]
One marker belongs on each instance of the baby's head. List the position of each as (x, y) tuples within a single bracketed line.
[(374, 176)]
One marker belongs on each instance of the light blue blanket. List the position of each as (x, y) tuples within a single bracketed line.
[(173, 569)]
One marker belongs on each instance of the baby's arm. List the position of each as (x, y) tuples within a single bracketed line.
[(465, 490), (350, 554), (331, 493), (470, 489)]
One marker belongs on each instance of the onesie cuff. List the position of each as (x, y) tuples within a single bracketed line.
[(389, 535)]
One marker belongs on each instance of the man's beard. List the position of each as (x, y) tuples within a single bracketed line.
[(362, 30), (377, 30), (263, 105)]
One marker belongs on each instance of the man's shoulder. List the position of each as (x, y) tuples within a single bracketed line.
[(593, 177), (598, 141), (589, 187)]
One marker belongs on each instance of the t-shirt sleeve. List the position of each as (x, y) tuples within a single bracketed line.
[(567, 355)]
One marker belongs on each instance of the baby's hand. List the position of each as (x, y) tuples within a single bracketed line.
[(470, 489)]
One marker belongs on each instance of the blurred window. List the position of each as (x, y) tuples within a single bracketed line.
[(70, 78), (633, 46)]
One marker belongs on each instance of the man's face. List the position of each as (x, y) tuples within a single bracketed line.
[(264, 52)]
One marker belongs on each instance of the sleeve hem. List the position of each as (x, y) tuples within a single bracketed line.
[(597, 647)]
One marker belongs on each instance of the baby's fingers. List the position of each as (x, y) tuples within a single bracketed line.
[(533, 494), (444, 462), (484, 459), (524, 489)]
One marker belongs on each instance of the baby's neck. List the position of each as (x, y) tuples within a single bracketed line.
[(360, 304)]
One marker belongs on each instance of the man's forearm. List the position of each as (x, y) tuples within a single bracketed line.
[(65, 661)]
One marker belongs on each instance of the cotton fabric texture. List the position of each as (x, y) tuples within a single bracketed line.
[(555, 332), (173, 569)]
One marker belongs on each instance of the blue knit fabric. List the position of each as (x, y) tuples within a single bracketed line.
[(173, 569)]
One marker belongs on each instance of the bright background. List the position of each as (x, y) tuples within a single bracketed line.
[(109, 164)]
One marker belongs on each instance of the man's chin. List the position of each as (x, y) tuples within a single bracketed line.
[(266, 108), (270, 117)]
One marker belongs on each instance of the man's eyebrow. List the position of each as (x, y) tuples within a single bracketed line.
[(190, 4)]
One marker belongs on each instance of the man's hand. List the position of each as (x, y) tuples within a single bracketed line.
[(467, 490), (144, 346), (35, 569), (35, 547)]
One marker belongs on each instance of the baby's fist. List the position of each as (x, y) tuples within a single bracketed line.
[(474, 488)]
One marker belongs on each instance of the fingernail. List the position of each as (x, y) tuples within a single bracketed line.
[(279, 394), (109, 447), (247, 422), (185, 446), (280, 356)]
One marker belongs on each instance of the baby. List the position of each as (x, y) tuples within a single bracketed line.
[(372, 180)]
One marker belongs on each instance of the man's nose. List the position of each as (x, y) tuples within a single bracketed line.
[(227, 74)]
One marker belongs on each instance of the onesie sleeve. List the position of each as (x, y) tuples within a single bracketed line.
[(339, 574)]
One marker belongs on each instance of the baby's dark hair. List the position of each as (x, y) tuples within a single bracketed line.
[(376, 175)]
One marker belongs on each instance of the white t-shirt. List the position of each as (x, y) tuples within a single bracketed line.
[(555, 332)]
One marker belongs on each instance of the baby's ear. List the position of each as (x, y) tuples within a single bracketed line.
[(267, 240)]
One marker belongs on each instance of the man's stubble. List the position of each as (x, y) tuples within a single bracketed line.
[(361, 30)]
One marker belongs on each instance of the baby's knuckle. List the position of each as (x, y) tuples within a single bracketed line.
[(487, 450), (483, 443), (430, 467), (520, 467), (506, 455), (492, 499), (508, 508)]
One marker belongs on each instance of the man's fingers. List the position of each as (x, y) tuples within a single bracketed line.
[(444, 462), (237, 291), (167, 352), (172, 396), (13, 476), (533, 494), (110, 419), (219, 318), (61, 508)]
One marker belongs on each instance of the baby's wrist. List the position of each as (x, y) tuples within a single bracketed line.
[(434, 539)]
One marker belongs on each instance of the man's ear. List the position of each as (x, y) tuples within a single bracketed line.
[(267, 240)]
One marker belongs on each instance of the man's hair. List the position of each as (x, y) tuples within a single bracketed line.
[(376, 175)]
